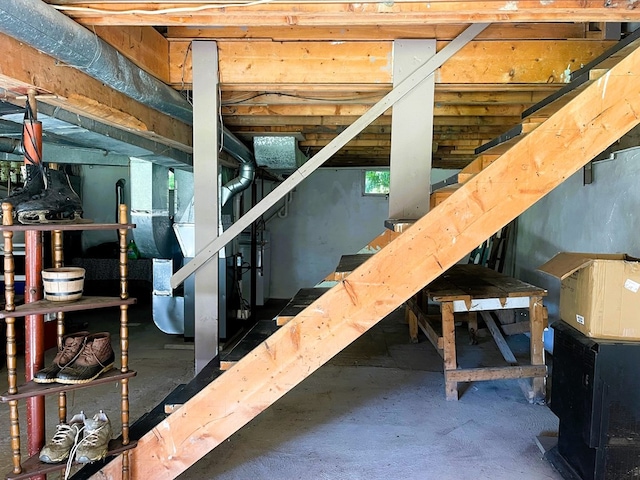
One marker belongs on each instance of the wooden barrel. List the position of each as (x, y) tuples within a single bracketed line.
[(63, 284)]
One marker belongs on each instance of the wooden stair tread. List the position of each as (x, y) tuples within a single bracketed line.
[(348, 263), (398, 225), (442, 194), (504, 142), (257, 334), (300, 301)]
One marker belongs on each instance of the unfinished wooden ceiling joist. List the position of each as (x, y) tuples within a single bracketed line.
[(313, 67)]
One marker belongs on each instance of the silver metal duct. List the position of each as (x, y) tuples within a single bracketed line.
[(238, 184), (44, 28), (150, 210)]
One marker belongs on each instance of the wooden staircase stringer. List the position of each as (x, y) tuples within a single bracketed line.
[(579, 131)]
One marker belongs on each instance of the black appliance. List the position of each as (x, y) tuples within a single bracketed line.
[(595, 392)]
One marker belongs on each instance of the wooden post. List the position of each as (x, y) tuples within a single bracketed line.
[(537, 326), (58, 261), (412, 320), (473, 328), (449, 336), (34, 324), (124, 327), (9, 298)]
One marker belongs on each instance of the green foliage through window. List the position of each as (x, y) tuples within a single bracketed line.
[(376, 182)]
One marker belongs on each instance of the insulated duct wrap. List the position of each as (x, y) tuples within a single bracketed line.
[(49, 31)]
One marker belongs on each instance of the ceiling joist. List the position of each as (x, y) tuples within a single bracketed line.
[(344, 14)]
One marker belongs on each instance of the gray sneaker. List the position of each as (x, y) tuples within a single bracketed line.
[(58, 448), (94, 445)]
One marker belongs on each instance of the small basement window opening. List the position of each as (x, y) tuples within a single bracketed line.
[(375, 182)]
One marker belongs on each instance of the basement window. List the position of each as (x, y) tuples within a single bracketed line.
[(375, 182)]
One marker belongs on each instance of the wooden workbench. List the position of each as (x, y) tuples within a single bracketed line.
[(470, 289)]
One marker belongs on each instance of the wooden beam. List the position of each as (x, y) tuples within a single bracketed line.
[(508, 31), (344, 120), (78, 92), (349, 97), (605, 111), (424, 322), (495, 373), (348, 14), (144, 46), (502, 344), (481, 61), (325, 109)]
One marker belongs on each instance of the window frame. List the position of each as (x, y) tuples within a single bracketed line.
[(364, 183)]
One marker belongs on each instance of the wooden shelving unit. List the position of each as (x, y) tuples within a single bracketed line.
[(32, 466)]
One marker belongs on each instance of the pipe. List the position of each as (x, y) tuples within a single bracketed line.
[(238, 184), (10, 145)]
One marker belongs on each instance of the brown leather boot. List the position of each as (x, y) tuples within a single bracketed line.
[(72, 345), (95, 358)]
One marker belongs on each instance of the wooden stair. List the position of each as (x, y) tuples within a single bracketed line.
[(600, 113), (538, 113), (300, 301)]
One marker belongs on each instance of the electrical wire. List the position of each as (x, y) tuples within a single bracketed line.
[(161, 11), (301, 97)]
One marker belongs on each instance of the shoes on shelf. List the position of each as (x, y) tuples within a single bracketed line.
[(95, 358), (94, 444), (72, 345), (66, 436)]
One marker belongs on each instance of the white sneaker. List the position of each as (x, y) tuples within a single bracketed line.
[(58, 448), (94, 445)]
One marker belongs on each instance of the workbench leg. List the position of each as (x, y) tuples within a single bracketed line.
[(412, 320), (449, 350), (537, 324), (473, 328)]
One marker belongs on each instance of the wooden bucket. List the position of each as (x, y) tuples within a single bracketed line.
[(63, 284)]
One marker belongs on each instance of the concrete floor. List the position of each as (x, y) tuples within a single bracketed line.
[(376, 411)]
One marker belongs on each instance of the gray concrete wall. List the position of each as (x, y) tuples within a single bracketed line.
[(328, 217), (99, 200), (599, 217)]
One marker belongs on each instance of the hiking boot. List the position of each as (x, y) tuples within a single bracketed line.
[(72, 345), (95, 358), (66, 436), (94, 445), (33, 187), (58, 202)]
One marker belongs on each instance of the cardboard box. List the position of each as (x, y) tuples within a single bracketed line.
[(599, 293)]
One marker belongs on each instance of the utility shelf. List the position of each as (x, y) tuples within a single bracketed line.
[(33, 389), (33, 466), (82, 225), (42, 307)]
